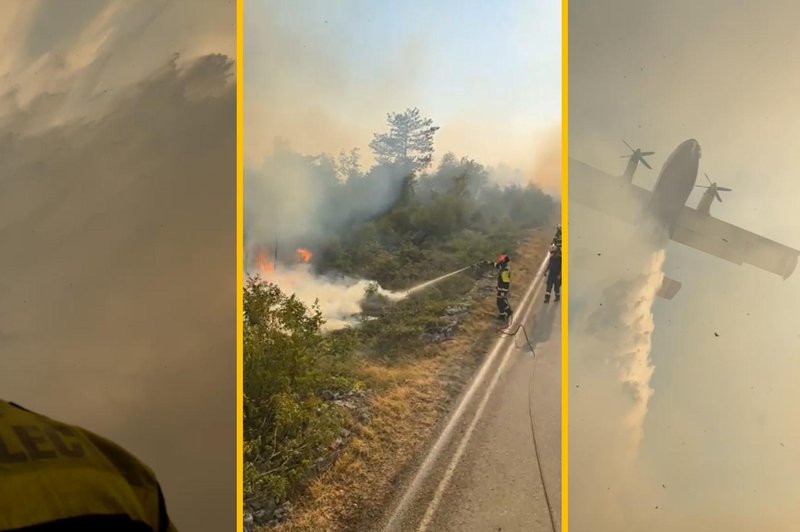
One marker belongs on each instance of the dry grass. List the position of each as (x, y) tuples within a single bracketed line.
[(409, 400)]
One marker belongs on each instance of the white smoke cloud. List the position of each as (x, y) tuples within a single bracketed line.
[(339, 299), (610, 373)]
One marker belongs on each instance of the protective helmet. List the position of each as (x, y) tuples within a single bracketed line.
[(502, 259)]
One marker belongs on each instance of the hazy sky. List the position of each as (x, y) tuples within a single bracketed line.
[(324, 75), (117, 211), (721, 432)]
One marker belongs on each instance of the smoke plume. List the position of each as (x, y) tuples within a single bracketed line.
[(292, 200)]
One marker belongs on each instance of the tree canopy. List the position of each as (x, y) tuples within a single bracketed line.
[(409, 140)]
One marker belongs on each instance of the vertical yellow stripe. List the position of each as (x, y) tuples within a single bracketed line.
[(239, 260), (565, 267)]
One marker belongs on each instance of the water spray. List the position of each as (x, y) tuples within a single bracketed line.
[(341, 300), (432, 282)]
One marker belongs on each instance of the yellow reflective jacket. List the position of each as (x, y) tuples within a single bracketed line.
[(55, 476), (503, 275)]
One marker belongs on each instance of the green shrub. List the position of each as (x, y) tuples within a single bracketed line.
[(288, 363)]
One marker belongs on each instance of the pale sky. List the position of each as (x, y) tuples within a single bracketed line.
[(721, 431), (325, 74)]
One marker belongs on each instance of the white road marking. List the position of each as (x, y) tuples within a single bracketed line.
[(444, 436)]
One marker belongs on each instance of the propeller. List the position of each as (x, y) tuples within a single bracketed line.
[(717, 189), (638, 155)]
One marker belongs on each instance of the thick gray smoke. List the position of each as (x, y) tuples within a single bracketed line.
[(295, 200), (117, 210)]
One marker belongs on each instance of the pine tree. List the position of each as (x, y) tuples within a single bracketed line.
[(409, 141)]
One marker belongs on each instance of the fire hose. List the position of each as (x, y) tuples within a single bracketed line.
[(514, 333)]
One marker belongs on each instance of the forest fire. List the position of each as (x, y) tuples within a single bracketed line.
[(264, 265)]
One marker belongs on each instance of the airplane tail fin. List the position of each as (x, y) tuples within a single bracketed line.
[(669, 287)]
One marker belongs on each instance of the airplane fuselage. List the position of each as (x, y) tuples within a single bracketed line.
[(675, 183)]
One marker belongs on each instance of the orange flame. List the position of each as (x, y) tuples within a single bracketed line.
[(264, 265), (304, 254)]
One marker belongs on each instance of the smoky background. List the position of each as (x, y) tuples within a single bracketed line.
[(118, 233)]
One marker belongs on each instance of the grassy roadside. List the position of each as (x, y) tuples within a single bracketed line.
[(407, 398)]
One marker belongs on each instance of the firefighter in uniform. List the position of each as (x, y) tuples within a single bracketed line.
[(553, 274), (503, 284), (58, 477)]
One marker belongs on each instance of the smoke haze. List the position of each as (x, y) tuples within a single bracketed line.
[(718, 449), (117, 227)]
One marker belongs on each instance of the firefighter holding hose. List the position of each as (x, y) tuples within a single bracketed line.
[(503, 284)]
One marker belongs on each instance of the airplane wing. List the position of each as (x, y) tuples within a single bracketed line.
[(732, 243), (612, 195)]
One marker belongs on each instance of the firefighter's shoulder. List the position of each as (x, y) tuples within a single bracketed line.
[(59, 475)]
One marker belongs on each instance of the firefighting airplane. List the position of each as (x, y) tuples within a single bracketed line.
[(667, 205)]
